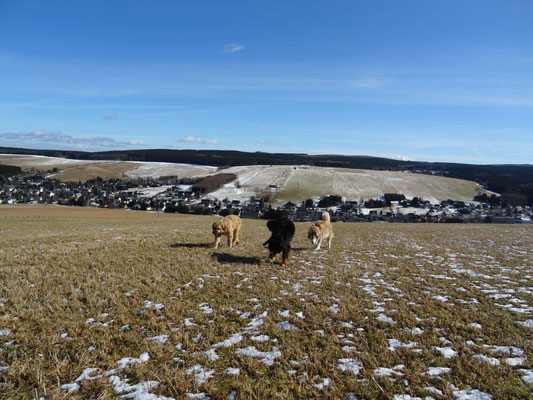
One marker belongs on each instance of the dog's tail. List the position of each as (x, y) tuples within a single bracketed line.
[(325, 216)]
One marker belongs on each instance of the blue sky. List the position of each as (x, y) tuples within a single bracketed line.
[(421, 80)]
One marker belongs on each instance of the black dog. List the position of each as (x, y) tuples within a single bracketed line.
[(280, 242)]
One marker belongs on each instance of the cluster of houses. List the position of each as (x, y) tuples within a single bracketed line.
[(452, 212), (168, 194)]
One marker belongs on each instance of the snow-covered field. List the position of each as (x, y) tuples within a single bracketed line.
[(130, 169), (298, 183), (294, 183), (32, 161), (144, 308), (156, 170)]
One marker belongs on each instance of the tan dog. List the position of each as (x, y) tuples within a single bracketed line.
[(229, 226), (321, 230)]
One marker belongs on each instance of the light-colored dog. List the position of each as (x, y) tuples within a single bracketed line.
[(321, 230), (229, 226)]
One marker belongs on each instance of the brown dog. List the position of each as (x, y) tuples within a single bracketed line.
[(321, 230), (229, 226)]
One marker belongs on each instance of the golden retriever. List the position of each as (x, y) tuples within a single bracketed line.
[(229, 226), (321, 230)]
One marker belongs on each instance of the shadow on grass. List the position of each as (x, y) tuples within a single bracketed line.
[(192, 245), (299, 248), (233, 259)]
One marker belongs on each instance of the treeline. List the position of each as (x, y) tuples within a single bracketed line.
[(516, 181), (212, 183), (9, 170)]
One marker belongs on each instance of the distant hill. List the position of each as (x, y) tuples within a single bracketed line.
[(507, 179)]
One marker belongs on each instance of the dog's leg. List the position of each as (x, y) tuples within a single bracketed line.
[(236, 236), (330, 239), (230, 239), (319, 243), (217, 242), (285, 258)]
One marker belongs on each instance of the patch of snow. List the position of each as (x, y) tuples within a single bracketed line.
[(387, 372), (436, 371), (334, 309), (260, 338), (70, 387), (204, 307), (488, 360), (211, 355), (385, 319), (471, 395), (5, 332), (161, 339), (233, 339), (350, 365), (152, 305), (447, 352), (267, 357), (395, 344), (201, 375), (123, 363), (257, 322), (140, 391), (286, 326), (348, 349), (434, 390), (528, 323), (232, 371), (197, 396), (514, 361), (527, 375), (506, 350), (320, 386)]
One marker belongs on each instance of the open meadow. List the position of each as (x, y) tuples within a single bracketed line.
[(100, 304)]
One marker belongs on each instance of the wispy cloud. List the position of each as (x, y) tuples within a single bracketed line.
[(194, 139), (233, 48), (110, 117), (368, 83), (402, 158), (58, 140), (270, 142)]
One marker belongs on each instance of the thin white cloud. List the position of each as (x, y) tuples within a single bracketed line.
[(194, 139), (368, 83), (270, 142), (110, 117), (402, 158), (58, 140), (233, 48)]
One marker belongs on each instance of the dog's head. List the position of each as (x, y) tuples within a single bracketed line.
[(274, 225), (313, 234), (218, 229)]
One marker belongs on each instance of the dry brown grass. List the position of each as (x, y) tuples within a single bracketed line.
[(85, 172), (58, 271), (70, 170)]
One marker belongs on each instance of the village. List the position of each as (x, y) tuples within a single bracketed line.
[(173, 195)]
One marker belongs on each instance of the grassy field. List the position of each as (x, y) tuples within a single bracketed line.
[(300, 183), (294, 183), (81, 170), (416, 310)]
